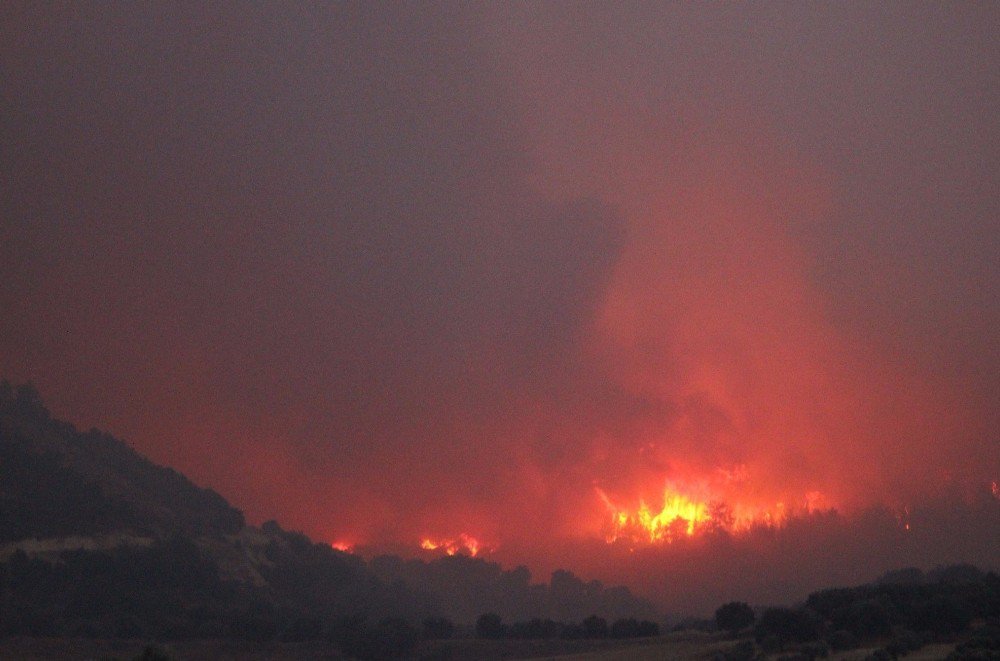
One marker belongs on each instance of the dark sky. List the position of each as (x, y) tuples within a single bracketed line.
[(387, 270)]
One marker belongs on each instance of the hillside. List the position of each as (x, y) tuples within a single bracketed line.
[(58, 482), (95, 540)]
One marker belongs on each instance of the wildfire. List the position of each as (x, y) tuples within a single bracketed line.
[(678, 517), (342, 546), (464, 543), (683, 514)]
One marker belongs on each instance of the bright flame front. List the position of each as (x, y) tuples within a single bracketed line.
[(683, 514), (680, 516), (464, 543)]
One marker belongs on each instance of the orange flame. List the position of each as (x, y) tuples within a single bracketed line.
[(678, 517), (685, 515), (464, 543), (342, 546)]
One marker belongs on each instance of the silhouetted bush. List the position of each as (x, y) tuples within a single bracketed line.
[(942, 614), (153, 653), (302, 629), (632, 628), (787, 625), (438, 628), (734, 616), (648, 629), (842, 640), (390, 638), (905, 641), (490, 626), (742, 651), (960, 574), (983, 645), (905, 576), (879, 655), (535, 628), (257, 621), (826, 602), (694, 624), (814, 650), (865, 619), (595, 627)]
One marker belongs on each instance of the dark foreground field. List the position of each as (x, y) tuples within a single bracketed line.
[(675, 646), (684, 646), (53, 649)]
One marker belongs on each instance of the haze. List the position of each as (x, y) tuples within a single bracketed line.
[(384, 271)]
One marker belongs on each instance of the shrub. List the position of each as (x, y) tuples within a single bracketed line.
[(153, 653), (742, 651), (595, 627), (985, 644), (879, 655), (865, 619), (905, 641), (842, 640), (438, 628), (489, 626), (734, 616), (942, 614), (816, 650), (787, 625)]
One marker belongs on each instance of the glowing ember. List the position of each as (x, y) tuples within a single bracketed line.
[(464, 543), (685, 515), (342, 546), (904, 517)]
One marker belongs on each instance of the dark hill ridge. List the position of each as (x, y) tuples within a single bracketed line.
[(58, 482), (97, 540)]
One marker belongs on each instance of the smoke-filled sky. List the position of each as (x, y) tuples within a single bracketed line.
[(387, 270)]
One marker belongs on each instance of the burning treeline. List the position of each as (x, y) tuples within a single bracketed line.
[(681, 515)]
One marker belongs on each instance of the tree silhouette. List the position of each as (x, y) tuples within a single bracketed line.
[(787, 625), (438, 628), (595, 627), (489, 626), (734, 616)]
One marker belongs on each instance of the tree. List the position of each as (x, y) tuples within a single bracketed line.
[(865, 619), (490, 626), (787, 625), (734, 616), (438, 628), (633, 628), (28, 402), (942, 614), (595, 627)]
